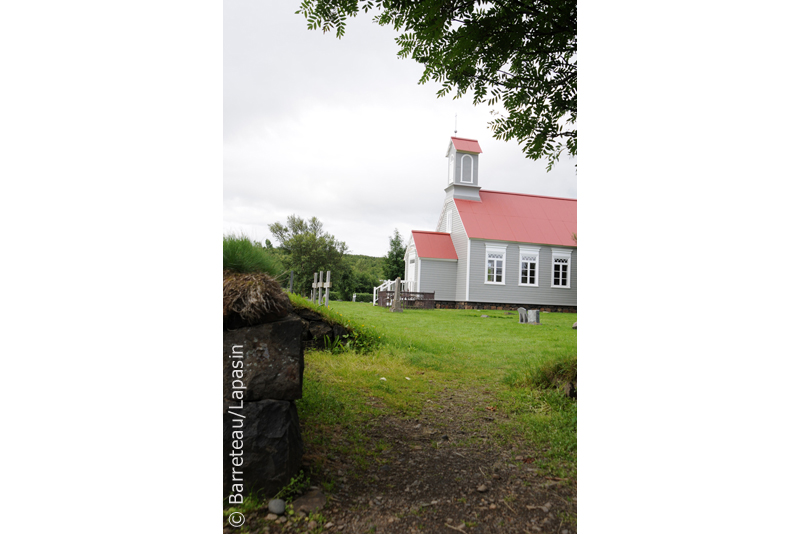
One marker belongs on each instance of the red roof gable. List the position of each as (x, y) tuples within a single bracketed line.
[(466, 145), (434, 245), (522, 218)]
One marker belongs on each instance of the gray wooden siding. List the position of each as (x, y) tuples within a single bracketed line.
[(439, 276), (513, 293), (459, 237)]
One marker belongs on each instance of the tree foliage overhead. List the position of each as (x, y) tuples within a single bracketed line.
[(521, 53), (306, 249), (394, 261)]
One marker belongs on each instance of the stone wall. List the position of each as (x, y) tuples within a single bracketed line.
[(450, 305), (262, 378), (317, 328)]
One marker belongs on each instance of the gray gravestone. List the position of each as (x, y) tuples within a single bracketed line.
[(523, 316), (533, 317), (396, 304)]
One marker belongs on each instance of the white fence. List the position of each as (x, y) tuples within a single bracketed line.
[(388, 285)]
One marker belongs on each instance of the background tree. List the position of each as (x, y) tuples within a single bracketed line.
[(307, 249), (355, 281), (361, 275), (522, 53), (394, 264)]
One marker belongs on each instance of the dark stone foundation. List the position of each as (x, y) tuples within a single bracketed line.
[(552, 308)]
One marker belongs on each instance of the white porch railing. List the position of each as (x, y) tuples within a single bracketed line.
[(388, 285)]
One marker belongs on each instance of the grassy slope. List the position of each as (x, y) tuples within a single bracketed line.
[(241, 255), (438, 349)]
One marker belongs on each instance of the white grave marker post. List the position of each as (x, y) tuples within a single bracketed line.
[(314, 288), (327, 288), (319, 291)]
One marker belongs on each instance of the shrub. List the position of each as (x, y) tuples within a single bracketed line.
[(362, 339), (348, 297), (241, 255), (553, 373)]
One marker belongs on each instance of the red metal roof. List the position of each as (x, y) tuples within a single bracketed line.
[(466, 145), (522, 218), (434, 245)]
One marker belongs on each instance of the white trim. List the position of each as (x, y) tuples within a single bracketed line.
[(410, 248), (469, 250), (440, 220), (451, 169), (495, 248), (419, 277), (448, 224), (411, 273), (471, 169), (561, 254), (437, 259), (529, 251)]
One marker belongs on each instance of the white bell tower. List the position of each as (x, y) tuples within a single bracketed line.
[(462, 169)]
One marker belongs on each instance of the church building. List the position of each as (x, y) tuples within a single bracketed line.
[(494, 249)]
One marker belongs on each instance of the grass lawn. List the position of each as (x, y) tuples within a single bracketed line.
[(423, 355)]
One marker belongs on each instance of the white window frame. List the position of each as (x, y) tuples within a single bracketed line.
[(449, 222), (495, 248), (471, 169), (530, 251), (561, 254)]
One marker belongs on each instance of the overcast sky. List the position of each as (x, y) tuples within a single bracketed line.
[(340, 129)]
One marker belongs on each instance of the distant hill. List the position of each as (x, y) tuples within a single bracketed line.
[(367, 265)]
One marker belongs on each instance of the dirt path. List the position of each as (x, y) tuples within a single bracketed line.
[(441, 473)]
